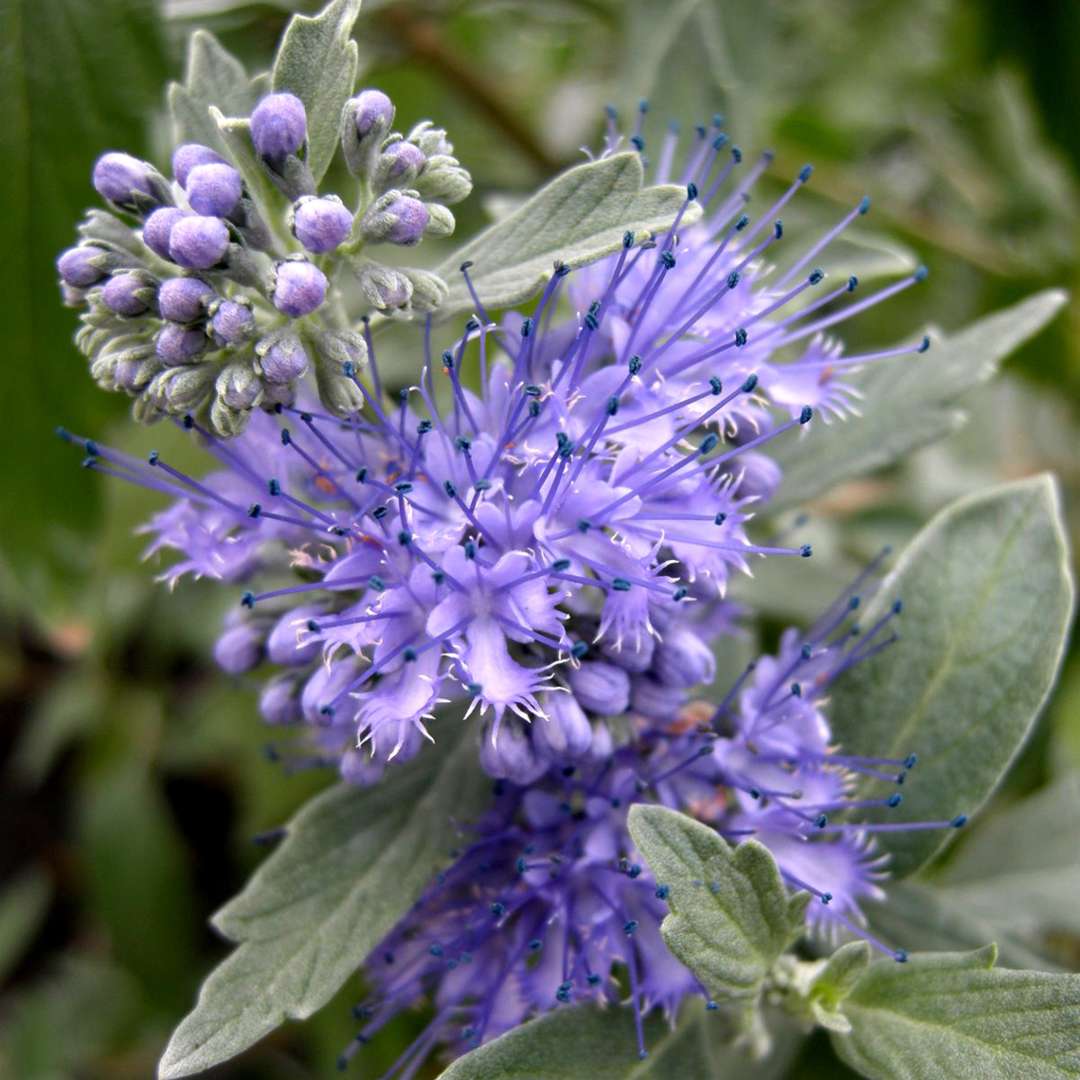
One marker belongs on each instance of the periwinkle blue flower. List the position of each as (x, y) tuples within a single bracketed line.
[(321, 224), (278, 126), (198, 243), (76, 267), (299, 288), (214, 189), (188, 156), (126, 294), (184, 299), (232, 322), (158, 228), (601, 687), (118, 177), (177, 344)]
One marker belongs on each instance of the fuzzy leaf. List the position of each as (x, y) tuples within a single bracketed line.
[(909, 401), (987, 599), (351, 864), (954, 1016), (213, 76), (601, 1044), (317, 62), (731, 915), (577, 218)]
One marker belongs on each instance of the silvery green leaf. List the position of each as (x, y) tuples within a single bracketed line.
[(601, 1044), (909, 401), (577, 218), (731, 915), (317, 62), (213, 76), (954, 1016), (351, 864), (1036, 887), (987, 597)]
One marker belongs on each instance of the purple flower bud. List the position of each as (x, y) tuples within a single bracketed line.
[(683, 659), (278, 126), (279, 702), (300, 287), (635, 657), (189, 155), (566, 734), (372, 108), (198, 242), (359, 769), (125, 294), (239, 649), (655, 700), (401, 221), (179, 344), (118, 176), (283, 361), (184, 299), (214, 189), (321, 224), (400, 161), (158, 227), (76, 269), (601, 688), (512, 757), (283, 644), (758, 475), (232, 322)]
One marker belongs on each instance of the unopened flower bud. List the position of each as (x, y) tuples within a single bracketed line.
[(428, 289), (683, 659), (631, 655), (158, 228), (359, 769), (321, 224), (129, 293), (177, 344), (373, 113), (198, 243), (440, 220), (239, 649), (188, 156), (214, 189), (444, 180), (338, 353), (181, 389), (283, 645), (135, 368), (601, 687), (384, 287), (238, 385), (227, 421), (299, 287), (398, 165), (395, 219), (232, 322), (511, 756), (77, 267), (117, 177), (602, 745), (184, 299), (566, 734), (281, 359), (656, 700), (278, 126), (758, 475), (279, 702), (430, 139)]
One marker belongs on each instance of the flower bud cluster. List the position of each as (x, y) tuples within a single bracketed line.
[(213, 292)]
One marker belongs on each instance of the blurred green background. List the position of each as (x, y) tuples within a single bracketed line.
[(131, 775)]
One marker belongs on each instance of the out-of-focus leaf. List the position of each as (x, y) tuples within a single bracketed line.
[(954, 1016), (987, 599), (602, 1044), (579, 217), (23, 903), (317, 62), (351, 864), (909, 401), (63, 712), (75, 79), (731, 915)]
